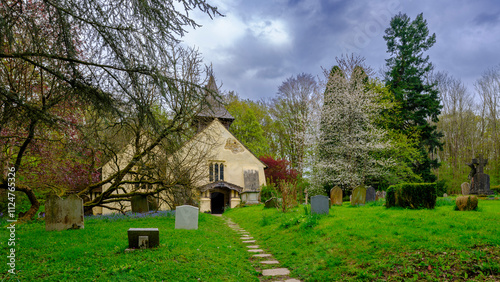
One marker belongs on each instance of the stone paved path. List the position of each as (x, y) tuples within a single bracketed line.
[(275, 273)]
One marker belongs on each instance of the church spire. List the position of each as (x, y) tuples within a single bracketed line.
[(213, 107)]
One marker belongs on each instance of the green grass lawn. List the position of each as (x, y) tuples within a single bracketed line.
[(373, 243), (97, 253)]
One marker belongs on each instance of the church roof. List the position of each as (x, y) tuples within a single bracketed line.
[(213, 107)]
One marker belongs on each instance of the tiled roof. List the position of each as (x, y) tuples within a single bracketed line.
[(213, 107)]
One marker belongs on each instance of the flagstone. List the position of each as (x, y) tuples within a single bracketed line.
[(275, 272)]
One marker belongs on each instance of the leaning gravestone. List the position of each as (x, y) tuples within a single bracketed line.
[(271, 203), (63, 214), (336, 196), (465, 188), (320, 204), (139, 204), (186, 217), (370, 194), (358, 196)]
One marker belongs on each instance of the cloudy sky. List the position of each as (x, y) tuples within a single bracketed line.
[(260, 43)]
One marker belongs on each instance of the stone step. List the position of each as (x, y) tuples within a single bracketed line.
[(262, 255), (270, 262), (256, 251), (246, 238), (253, 247), (249, 241), (276, 272)]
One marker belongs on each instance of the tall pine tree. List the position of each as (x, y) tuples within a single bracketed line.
[(406, 77)]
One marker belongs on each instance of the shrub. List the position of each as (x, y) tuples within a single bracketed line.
[(278, 170), (267, 192), (288, 196), (442, 187), (495, 189), (309, 222), (291, 221), (412, 195)]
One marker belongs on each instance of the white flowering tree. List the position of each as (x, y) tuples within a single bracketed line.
[(350, 147)]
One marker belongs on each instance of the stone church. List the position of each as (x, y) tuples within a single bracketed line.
[(233, 173), (228, 172)]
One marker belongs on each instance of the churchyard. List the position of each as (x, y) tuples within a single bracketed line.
[(349, 243)]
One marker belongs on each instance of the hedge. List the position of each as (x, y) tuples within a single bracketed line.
[(495, 189), (412, 195)]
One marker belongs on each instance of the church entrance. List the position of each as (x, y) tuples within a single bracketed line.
[(217, 202)]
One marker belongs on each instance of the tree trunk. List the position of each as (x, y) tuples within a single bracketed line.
[(35, 204)]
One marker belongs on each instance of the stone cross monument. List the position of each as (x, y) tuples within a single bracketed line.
[(479, 181)]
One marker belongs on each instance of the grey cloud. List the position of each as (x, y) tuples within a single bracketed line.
[(487, 18), (468, 36)]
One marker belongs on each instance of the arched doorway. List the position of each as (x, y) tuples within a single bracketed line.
[(217, 202)]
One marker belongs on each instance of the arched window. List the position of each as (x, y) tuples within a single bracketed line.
[(211, 169), (221, 167), (216, 168), (216, 172)]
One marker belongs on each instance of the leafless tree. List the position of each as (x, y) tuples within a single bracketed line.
[(109, 56), (292, 110)]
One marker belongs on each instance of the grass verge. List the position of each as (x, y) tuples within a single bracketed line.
[(372, 243), (97, 253)]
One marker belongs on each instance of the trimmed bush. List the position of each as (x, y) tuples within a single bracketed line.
[(466, 203), (495, 189), (412, 195)]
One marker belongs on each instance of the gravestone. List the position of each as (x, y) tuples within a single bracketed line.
[(250, 194), (370, 194), (251, 180), (465, 188), (358, 196), (379, 195), (271, 203), (139, 204), (63, 214), (445, 195), (186, 217), (143, 238), (479, 181), (152, 203), (336, 196), (320, 204)]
